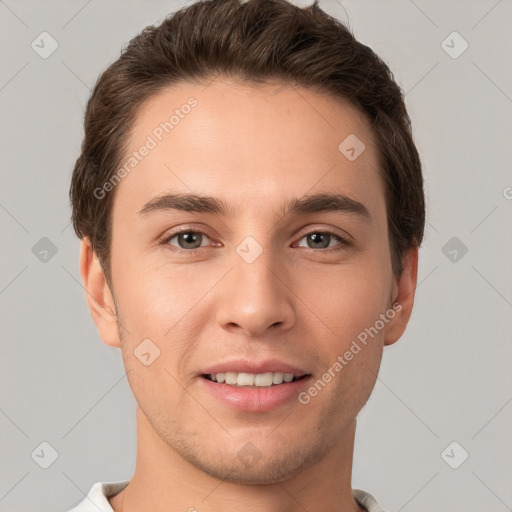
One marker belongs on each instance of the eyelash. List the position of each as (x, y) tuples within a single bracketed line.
[(343, 243)]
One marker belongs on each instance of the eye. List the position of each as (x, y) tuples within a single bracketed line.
[(187, 239), (322, 239)]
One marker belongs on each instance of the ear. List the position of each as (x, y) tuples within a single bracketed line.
[(100, 300), (403, 297)]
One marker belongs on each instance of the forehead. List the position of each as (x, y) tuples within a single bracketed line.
[(248, 145)]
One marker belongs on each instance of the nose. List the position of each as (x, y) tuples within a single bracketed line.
[(257, 296)]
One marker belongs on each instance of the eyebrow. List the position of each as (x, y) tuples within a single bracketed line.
[(315, 203)]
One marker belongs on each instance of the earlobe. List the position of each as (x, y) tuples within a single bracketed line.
[(403, 297), (98, 294)]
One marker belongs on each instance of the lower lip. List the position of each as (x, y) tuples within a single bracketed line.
[(255, 399)]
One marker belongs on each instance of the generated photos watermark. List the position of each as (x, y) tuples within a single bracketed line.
[(157, 135), (342, 360)]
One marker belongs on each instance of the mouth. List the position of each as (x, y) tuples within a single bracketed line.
[(251, 380), (262, 392)]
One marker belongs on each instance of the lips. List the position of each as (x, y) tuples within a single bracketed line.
[(254, 367), (253, 398)]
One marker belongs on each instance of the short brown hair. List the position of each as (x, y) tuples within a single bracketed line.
[(253, 42)]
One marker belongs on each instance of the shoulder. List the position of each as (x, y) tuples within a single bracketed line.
[(367, 501), (97, 498)]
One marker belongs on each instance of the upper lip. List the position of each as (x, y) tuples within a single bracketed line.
[(256, 367)]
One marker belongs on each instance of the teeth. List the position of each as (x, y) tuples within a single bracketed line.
[(250, 379)]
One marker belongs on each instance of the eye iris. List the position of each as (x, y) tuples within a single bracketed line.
[(192, 240), (186, 237), (316, 236)]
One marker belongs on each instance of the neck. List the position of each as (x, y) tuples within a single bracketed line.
[(165, 481)]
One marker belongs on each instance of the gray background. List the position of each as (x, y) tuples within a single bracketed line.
[(449, 377)]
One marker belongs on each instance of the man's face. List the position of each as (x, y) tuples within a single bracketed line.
[(257, 285)]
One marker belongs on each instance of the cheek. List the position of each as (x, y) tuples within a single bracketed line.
[(156, 342), (162, 308), (351, 340), (150, 301), (347, 300), (350, 307)]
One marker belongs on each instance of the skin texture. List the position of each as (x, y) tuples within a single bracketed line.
[(256, 148)]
